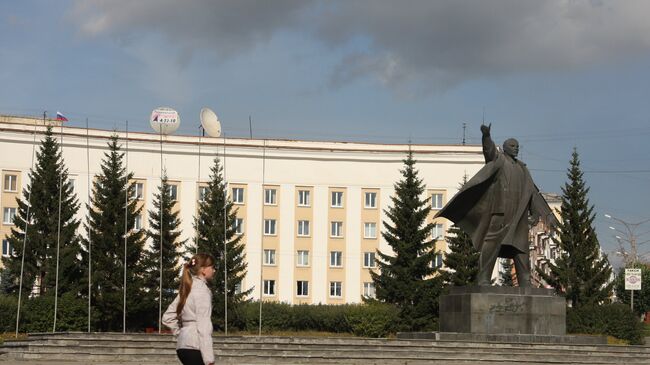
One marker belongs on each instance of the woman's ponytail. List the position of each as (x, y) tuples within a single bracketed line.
[(190, 269)]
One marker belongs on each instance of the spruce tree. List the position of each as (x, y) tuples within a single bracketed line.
[(581, 272), (506, 273), (171, 251), (463, 259), (48, 176), (406, 277), (210, 233), (106, 223)]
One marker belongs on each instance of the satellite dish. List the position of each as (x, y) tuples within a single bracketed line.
[(164, 120), (210, 122)]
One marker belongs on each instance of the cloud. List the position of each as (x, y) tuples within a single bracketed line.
[(416, 45)]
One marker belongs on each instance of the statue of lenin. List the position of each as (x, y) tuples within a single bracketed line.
[(493, 207)]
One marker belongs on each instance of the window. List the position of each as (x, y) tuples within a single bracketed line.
[(173, 192), (239, 225), (269, 227), (302, 288), (371, 200), (337, 199), (203, 193), (336, 259), (370, 230), (436, 201), (8, 216), (336, 229), (6, 248), (269, 287), (137, 222), (369, 290), (437, 232), (270, 197), (335, 289), (238, 195), (437, 260), (302, 258), (73, 184), (10, 182), (269, 257), (138, 191), (303, 228), (369, 259), (303, 198)]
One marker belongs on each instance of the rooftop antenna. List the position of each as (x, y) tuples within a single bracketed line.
[(210, 122), (250, 126), (464, 130)]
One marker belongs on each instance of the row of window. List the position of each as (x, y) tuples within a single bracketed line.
[(302, 288), (270, 196), (336, 258), (270, 226)]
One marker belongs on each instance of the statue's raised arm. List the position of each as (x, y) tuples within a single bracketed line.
[(489, 148)]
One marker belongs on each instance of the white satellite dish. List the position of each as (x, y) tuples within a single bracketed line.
[(165, 120), (210, 122)]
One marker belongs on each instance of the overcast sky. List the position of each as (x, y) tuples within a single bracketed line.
[(554, 74)]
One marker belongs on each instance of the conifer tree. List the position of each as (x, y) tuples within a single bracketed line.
[(506, 272), (106, 222), (581, 272), (406, 277), (462, 259), (45, 180), (210, 232), (171, 250)]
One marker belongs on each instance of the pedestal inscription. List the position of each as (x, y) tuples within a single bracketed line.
[(503, 310)]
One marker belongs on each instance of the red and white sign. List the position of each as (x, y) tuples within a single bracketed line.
[(632, 279)]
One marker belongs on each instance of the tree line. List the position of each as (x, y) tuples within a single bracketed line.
[(109, 265)]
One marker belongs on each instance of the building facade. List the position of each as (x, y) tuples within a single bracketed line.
[(310, 212)]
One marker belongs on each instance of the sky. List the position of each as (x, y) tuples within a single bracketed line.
[(556, 75)]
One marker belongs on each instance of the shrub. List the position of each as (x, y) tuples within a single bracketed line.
[(611, 319), (368, 320), (372, 320), (8, 309)]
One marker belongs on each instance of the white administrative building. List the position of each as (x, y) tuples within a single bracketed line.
[(310, 212)]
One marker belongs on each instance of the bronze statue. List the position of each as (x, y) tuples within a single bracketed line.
[(493, 207)]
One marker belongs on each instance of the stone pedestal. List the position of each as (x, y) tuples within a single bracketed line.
[(503, 310)]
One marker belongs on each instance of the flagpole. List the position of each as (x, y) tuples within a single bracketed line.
[(58, 236), (259, 333), (225, 239), (162, 192), (22, 259), (88, 225), (126, 217), (196, 242)]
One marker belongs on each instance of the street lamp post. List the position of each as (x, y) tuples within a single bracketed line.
[(629, 236)]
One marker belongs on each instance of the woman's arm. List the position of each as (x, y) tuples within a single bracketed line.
[(204, 325), (170, 319)]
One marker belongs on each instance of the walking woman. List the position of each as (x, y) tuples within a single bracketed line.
[(189, 314)]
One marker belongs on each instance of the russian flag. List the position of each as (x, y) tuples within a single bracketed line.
[(61, 117)]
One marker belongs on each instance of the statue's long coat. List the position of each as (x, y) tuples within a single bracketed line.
[(472, 208)]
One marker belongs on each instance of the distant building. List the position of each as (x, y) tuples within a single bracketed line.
[(543, 243)]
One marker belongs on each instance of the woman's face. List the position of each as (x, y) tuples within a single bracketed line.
[(208, 272)]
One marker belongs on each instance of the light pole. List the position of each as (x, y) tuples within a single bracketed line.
[(628, 236)]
